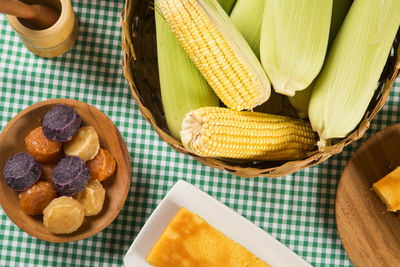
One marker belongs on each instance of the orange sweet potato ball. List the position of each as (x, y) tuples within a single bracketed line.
[(40, 147)]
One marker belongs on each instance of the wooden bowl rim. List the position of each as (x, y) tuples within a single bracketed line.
[(65, 14)]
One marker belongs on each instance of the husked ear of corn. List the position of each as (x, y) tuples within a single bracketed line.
[(226, 133), (294, 39), (182, 86), (218, 50), (301, 99), (247, 17), (354, 64)]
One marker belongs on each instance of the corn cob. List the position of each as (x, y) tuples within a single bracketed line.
[(294, 38), (218, 50), (183, 88), (222, 132), (247, 17), (354, 64), (301, 99)]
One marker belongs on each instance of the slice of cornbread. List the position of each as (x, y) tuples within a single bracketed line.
[(189, 241), (388, 190)]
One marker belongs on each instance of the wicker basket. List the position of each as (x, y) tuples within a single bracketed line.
[(141, 71)]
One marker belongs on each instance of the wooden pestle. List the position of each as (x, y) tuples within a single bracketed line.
[(39, 15)]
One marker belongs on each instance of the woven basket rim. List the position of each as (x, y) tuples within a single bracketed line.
[(387, 80)]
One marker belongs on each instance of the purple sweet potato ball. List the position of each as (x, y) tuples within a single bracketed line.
[(70, 176), (21, 171), (61, 123)]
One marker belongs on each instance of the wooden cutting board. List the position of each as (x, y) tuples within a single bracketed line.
[(370, 235)]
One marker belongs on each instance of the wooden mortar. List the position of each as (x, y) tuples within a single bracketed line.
[(53, 41)]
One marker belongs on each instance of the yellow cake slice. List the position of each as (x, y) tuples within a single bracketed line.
[(388, 190), (190, 241)]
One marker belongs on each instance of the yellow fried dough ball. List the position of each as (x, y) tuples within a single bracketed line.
[(92, 197), (63, 215), (85, 144)]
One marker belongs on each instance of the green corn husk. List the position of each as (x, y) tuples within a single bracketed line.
[(354, 64), (294, 39), (247, 17), (227, 5), (183, 88), (301, 99), (339, 11)]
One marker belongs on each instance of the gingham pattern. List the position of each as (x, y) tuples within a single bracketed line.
[(296, 209)]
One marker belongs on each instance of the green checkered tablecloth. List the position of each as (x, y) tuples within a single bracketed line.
[(297, 209)]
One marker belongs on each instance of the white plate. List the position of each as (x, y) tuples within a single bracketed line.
[(221, 217)]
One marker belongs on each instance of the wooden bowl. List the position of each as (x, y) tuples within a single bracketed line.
[(369, 234), (116, 186), (53, 41)]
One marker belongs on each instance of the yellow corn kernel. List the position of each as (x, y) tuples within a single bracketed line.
[(226, 133), (218, 50)]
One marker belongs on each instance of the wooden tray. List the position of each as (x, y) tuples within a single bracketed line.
[(370, 235)]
